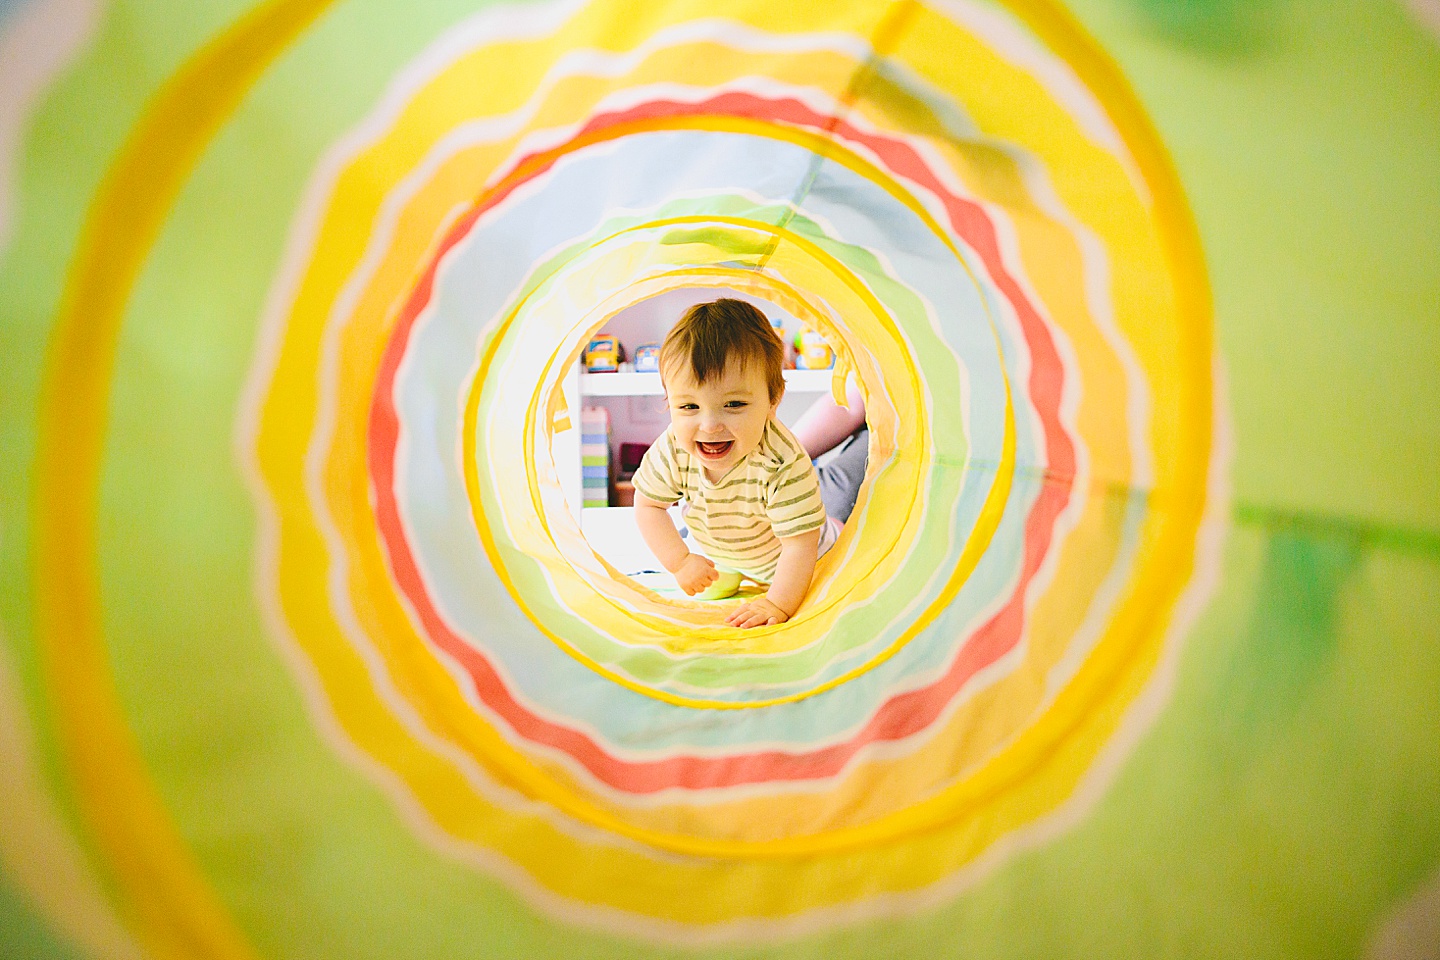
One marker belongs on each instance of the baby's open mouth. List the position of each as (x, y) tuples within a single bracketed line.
[(714, 449)]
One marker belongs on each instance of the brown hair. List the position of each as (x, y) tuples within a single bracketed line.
[(710, 334)]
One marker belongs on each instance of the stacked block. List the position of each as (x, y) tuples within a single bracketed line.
[(595, 457)]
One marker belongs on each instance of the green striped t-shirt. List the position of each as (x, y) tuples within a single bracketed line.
[(771, 494)]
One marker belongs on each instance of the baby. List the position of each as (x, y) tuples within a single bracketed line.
[(749, 490)]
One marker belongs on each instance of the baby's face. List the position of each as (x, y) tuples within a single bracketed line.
[(722, 420)]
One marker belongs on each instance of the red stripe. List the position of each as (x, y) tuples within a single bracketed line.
[(900, 716)]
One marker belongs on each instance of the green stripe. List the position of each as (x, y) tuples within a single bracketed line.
[(738, 500), (794, 480), (773, 436), (795, 532), (648, 493), (764, 536), (757, 481), (807, 495)]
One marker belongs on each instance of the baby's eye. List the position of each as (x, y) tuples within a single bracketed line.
[(688, 406), (736, 404)]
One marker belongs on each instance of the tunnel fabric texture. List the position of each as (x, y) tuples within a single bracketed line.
[(301, 628)]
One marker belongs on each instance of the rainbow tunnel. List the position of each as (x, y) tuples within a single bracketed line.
[(1128, 650)]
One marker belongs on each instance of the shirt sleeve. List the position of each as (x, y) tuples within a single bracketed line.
[(793, 501), (657, 477)]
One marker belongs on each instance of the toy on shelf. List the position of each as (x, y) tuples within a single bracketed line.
[(647, 358), (603, 354), (813, 352)]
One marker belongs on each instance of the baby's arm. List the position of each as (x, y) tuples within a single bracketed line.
[(787, 587), (692, 572)]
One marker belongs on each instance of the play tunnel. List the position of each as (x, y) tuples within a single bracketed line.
[(1129, 648)]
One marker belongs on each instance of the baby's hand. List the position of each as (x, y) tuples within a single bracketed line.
[(756, 613), (695, 574)]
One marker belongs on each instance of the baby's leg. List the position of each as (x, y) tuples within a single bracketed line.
[(841, 472)]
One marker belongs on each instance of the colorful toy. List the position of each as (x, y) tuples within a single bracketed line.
[(814, 352), (603, 354), (647, 358)]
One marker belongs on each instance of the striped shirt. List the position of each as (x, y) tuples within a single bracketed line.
[(771, 494)]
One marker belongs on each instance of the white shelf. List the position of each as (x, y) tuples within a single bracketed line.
[(648, 384)]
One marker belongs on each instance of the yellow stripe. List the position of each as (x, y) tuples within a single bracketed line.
[(986, 524), (546, 537), (808, 140), (165, 896)]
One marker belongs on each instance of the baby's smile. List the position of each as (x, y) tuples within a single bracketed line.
[(717, 449)]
